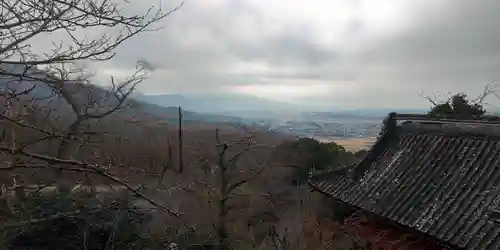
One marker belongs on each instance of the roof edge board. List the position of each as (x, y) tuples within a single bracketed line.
[(493, 120)]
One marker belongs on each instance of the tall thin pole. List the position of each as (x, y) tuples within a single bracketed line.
[(181, 158)]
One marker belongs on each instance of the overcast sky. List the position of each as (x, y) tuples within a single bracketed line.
[(329, 53)]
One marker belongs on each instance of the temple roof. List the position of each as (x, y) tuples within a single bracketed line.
[(437, 176)]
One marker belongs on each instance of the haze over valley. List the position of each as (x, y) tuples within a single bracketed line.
[(355, 129)]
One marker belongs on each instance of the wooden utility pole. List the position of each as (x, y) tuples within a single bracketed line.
[(181, 158)]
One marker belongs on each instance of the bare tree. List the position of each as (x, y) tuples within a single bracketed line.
[(47, 96), (230, 179), (24, 21), (223, 185), (91, 30)]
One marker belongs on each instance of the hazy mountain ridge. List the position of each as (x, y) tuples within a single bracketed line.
[(218, 103), (45, 95)]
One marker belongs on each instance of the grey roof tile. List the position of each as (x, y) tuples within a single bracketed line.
[(440, 177)]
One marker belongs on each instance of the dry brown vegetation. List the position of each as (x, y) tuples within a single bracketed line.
[(145, 152)]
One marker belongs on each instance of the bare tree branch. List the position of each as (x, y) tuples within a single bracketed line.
[(23, 20), (96, 170), (53, 217)]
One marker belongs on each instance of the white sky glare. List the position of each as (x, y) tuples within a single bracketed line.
[(329, 53)]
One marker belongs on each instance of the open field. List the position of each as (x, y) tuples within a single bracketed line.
[(352, 144)]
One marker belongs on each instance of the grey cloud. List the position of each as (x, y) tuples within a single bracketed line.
[(453, 49), (465, 30), (291, 46), (450, 48)]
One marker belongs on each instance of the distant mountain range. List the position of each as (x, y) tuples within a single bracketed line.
[(46, 96), (254, 107), (362, 113), (219, 103)]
